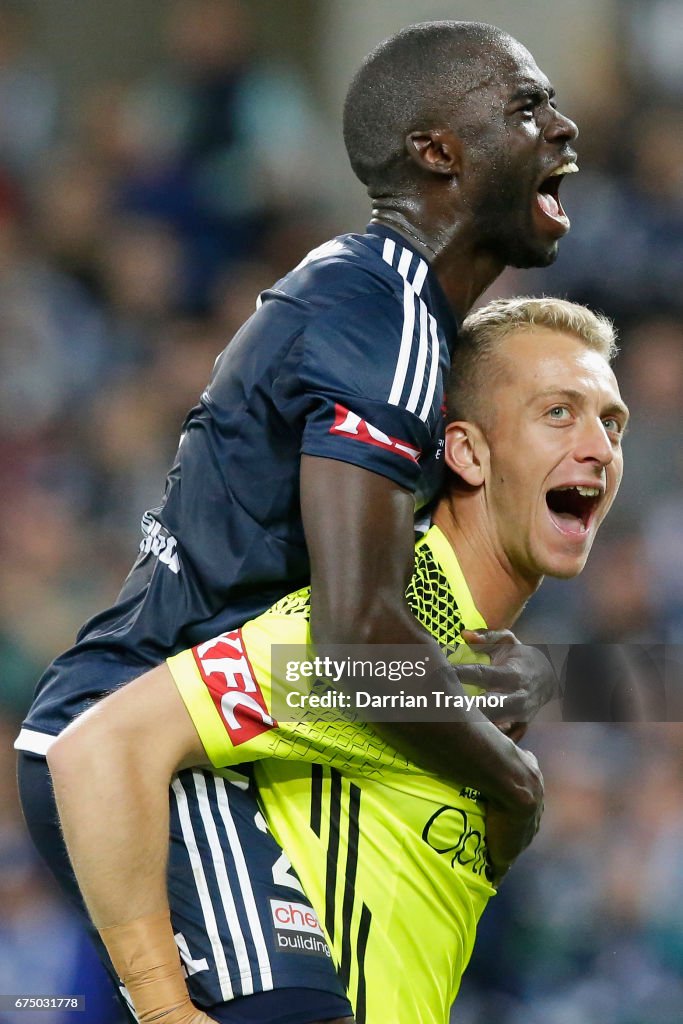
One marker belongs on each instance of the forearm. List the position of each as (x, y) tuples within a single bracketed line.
[(117, 844), (111, 780)]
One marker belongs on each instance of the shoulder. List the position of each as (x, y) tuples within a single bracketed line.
[(346, 269)]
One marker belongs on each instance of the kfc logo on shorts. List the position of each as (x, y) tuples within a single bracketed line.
[(229, 678), (350, 424)]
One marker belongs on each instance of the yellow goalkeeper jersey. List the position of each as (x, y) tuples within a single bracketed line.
[(393, 859)]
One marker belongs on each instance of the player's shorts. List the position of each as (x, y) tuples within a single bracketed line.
[(397, 875), (230, 887)]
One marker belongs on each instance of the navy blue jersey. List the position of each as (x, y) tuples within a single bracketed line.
[(344, 358)]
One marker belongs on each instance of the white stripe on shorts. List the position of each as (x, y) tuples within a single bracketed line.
[(245, 884), (203, 890), (223, 880)]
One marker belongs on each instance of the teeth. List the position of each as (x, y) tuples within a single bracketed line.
[(585, 492), (571, 168)]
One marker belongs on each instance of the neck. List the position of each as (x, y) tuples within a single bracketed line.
[(448, 243), (498, 591)]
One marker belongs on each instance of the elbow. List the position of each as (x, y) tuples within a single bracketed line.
[(77, 750), (67, 763), (70, 754)]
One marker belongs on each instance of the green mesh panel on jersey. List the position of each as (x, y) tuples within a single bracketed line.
[(296, 603), (429, 596), (431, 600)]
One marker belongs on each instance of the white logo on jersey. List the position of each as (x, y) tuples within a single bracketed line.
[(351, 424), (159, 542), (224, 667)]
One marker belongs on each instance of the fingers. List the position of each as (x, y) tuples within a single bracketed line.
[(514, 731), (488, 637), (519, 673), (494, 678), (513, 705)]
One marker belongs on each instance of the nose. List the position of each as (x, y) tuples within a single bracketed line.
[(594, 445), (561, 127)]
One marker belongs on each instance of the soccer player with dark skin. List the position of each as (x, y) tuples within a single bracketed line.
[(477, 193), (462, 150)]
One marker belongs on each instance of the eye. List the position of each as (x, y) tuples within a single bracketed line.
[(613, 426), (559, 414), (528, 110)]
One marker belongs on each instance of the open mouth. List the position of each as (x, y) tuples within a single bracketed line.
[(572, 508), (548, 194)]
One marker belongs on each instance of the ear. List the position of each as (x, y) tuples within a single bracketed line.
[(438, 150), (466, 452)]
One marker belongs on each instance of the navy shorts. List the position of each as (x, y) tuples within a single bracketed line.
[(244, 928)]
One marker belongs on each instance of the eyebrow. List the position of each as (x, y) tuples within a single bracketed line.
[(579, 397), (531, 90)]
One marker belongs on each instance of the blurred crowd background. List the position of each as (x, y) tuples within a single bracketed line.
[(163, 161)]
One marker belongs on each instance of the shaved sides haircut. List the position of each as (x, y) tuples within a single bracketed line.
[(413, 81), (475, 368)]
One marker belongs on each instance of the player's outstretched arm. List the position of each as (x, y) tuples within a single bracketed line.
[(111, 770), (359, 531)]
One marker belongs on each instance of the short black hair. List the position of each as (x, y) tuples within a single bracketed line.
[(415, 79)]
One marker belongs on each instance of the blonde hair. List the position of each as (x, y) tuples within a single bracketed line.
[(474, 365)]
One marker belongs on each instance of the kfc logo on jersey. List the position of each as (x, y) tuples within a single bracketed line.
[(350, 424), (229, 678)]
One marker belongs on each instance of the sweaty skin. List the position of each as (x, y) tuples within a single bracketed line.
[(510, 131)]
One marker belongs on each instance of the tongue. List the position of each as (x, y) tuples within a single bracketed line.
[(548, 204), (568, 523)]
